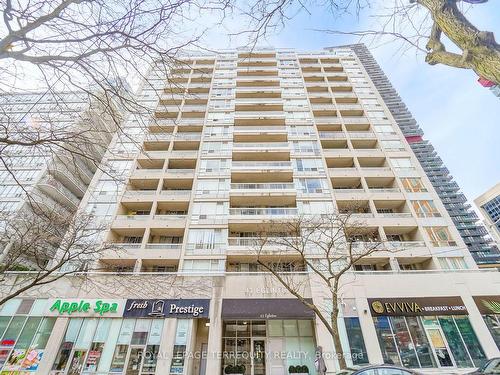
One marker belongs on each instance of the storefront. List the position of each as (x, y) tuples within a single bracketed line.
[(489, 307), (267, 335), (432, 332), (116, 336), (24, 332)]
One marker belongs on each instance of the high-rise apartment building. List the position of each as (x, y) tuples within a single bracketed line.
[(52, 143), (240, 139), (475, 236), (489, 205)]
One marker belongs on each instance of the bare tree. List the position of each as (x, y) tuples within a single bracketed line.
[(39, 249), (327, 247), (425, 25)]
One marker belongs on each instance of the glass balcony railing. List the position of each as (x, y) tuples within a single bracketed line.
[(255, 186), (276, 211), (163, 246), (261, 145), (261, 165)]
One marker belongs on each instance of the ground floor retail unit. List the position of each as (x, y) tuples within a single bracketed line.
[(204, 336)]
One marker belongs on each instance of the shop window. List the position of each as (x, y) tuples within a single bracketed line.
[(180, 345), (422, 346), (110, 345), (386, 340), (430, 341), (23, 342), (357, 347), (493, 323)]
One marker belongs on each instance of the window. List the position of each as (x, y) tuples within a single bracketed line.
[(315, 207), (312, 185), (401, 163), (207, 210), (392, 145), (105, 345), (440, 236), (425, 209), (208, 265), (214, 165), (384, 129), (206, 238), (413, 185), (454, 263), (101, 209), (212, 186), (303, 165)]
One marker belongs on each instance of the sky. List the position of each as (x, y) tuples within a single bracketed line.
[(459, 117)]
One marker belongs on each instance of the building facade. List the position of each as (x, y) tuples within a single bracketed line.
[(238, 140), (475, 236), (489, 205)]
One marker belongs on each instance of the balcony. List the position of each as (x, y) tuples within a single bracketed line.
[(263, 186), (261, 165), (275, 212), (332, 135), (256, 130), (58, 191), (263, 146), (358, 135)]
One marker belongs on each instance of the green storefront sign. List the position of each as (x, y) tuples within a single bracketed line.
[(99, 307)]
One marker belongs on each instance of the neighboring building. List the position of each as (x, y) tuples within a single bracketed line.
[(475, 236), (489, 205), (240, 139), (48, 176)]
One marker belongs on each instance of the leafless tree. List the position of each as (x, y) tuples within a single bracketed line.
[(327, 247), (40, 249), (432, 27), (92, 48)]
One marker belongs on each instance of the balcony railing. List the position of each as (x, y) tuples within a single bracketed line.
[(169, 217), (133, 217), (163, 246), (384, 190), (396, 214), (261, 165), (361, 134), (336, 135), (125, 245), (175, 192), (403, 244), (262, 145), (269, 186), (263, 211)]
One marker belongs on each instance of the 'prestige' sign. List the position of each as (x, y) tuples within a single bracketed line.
[(166, 308)]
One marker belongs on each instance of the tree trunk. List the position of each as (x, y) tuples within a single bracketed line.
[(481, 53), (335, 335)]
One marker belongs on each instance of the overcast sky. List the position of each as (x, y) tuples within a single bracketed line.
[(459, 117)]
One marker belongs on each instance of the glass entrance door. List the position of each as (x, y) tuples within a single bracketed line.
[(258, 356)]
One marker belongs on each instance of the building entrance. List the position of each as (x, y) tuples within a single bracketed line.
[(258, 357)]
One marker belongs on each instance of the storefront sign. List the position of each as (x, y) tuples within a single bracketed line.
[(85, 307), (258, 308), (167, 308), (417, 306), (488, 304)]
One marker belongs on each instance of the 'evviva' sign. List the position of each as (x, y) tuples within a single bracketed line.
[(417, 306), (166, 308)]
